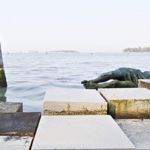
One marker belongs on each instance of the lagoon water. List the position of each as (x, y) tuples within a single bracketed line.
[(29, 75)]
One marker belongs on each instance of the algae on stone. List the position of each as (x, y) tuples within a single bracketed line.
[(3, 82)]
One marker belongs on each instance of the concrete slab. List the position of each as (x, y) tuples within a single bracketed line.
[(73, 102), (127, 102), (144, 83), (138, 131), (8, 107), (80, 132), (23, 124), (15, 142)]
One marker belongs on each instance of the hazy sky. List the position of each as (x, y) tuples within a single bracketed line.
[(85, 25)]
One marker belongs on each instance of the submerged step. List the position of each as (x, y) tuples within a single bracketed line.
[(23, 124), (15, 142), (80, 132), (144, 83), (10, 107), (73, 102), (127, 102)]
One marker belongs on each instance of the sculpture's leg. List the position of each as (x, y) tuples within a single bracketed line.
[(112, 84), (102, 78)]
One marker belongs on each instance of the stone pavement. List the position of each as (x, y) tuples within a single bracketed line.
[(138, 131), (80, 132)]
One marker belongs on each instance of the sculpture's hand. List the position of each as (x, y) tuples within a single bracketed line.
[(89, 84)]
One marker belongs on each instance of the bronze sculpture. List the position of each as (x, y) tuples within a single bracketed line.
[(120, 78)]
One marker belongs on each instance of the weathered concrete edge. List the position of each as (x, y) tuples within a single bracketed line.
[(86, 112)]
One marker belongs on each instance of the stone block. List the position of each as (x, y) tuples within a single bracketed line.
[(138, 131), (144, 83), (73, 102), (80, 132), (10, 107), (23, 124), (15, 142), (127, 102)]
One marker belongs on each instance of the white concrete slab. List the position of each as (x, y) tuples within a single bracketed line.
[(144, 83), (127, 102), (15, 142), (138, 131), (80, 132), (73, 101)]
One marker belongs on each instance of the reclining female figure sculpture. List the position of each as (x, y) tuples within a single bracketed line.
[(121, 78)]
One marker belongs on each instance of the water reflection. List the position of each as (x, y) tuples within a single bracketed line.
[(2, 94)]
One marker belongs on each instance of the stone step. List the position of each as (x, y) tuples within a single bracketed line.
[(19, 124), (73, 102), (138, 131), (15, 142), (80, 132), (144, 83), (127, 102), (10, 107)]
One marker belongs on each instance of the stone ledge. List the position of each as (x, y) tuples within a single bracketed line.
[(127, 102), (73, 102)]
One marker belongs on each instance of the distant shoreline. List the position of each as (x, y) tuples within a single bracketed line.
[(139, 49)]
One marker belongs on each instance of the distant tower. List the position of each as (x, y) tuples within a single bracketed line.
[(3, 82)]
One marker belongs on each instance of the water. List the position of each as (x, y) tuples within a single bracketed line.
[(30, 75)]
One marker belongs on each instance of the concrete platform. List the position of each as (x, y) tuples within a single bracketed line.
[(15, 142), (19, 124), (138, 131), (80, 132), (144, 83), (127, 102), (8, 107), (73, 102)]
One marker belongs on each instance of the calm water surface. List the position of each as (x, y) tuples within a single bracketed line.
[(30, 75)]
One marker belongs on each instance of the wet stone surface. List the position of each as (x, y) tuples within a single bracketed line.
[(23, 124)]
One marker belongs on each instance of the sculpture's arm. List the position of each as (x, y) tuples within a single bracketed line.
[(112, 84)]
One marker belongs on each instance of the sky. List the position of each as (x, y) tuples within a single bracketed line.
[(83, 25)]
